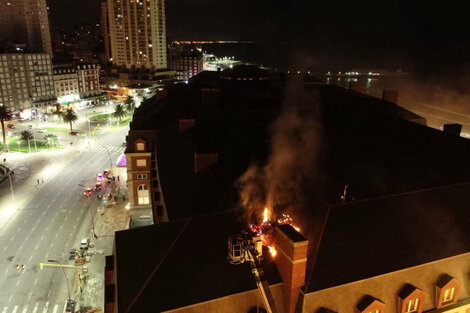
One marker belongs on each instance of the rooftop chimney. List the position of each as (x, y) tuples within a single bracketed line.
[(203, 160), (185, 123), (356, 86), (291, 261), (453, 129), (390, 95)]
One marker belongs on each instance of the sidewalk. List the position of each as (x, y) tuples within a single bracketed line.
[(108, 221)]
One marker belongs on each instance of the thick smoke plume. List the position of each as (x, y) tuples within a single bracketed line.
[(292, 166)]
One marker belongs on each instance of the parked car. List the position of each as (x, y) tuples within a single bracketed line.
[(74, 133), (88, 192), (105, 173), (84, 243), (42, 130), (72, 253), (98, 187), (11, 126), (70, 306)]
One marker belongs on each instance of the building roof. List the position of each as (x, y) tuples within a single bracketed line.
[(368, 238), (407, 183), (183, 262)]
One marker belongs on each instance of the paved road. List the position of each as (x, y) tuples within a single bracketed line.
[(52, 218)]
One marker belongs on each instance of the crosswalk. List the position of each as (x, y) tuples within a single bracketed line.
[(111, 149), (38, 307)]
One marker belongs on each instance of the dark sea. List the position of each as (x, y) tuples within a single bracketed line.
[(437, 103)]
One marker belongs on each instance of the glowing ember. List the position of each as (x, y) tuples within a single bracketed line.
[(266, 215), (273, 251), (265, 228)]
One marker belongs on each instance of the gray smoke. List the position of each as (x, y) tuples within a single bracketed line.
[(291, 169)]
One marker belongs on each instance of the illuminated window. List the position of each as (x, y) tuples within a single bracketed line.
[(142, 194), (140, 146), (448, 295), (141, 162), (376, 311), (412, 306)]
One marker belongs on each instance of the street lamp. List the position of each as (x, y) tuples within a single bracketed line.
[(110, 160), (66, 279)]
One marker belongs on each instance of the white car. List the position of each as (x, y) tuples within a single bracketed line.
[(42, 131)]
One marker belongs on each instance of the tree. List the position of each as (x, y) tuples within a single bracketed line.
[(58, 109), (50, 139), (119, 112), (70, 117), (26, 135), (130, 104), (5, 115)]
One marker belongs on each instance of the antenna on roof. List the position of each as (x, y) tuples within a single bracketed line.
[(343, 196)]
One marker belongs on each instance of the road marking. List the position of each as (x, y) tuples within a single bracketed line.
[(14, 309), (47, 228), (19, 229), (65, 218), (17, 283), (70, 234), (42, 237), (52, 244), (4, 248), (44, 310), (36, 247), (53, 279), (47, 194), (21, 247), (44, 213), (9, 299), (6, 270), (35, 308), (36, 281), (61, 226), (53, 200), (12, 238), (56, 307), (30, 257), (24, 221), (26, 307), (57, 235), (30, 213), (5, 309)]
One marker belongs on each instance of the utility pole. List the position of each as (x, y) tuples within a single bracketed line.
[(66, 279)]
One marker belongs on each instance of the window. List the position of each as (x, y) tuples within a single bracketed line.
[(142, 194), (140, 146), (141, 176), (376, 311), (141, 162), (412, 305), (448, 295)]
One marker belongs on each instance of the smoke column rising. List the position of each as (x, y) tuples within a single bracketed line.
[(296, 138)]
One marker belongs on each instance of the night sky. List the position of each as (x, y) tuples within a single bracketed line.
[(432, 38)]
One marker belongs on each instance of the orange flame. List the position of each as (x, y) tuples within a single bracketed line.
[(265, 215), (273, 251)]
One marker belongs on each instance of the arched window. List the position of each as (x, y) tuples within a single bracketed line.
[(142, 194)]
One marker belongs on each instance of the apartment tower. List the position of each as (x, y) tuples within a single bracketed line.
[(26, 22), (138, 33)]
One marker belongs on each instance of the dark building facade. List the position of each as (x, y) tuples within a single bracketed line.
[(381, 204)]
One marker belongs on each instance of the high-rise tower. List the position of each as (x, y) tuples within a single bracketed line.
[(27, 22), (138, 33)]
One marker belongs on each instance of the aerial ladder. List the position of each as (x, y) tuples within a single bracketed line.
[(248, 247)]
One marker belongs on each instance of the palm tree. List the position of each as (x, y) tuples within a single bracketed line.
[(50, 139), (58, 108), (5, 115), (130, 104), (26, 135), (119, 112), (70, 117)]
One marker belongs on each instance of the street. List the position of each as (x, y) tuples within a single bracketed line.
[(46, 220)]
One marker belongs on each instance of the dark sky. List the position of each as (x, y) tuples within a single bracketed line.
[(432, 37)]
